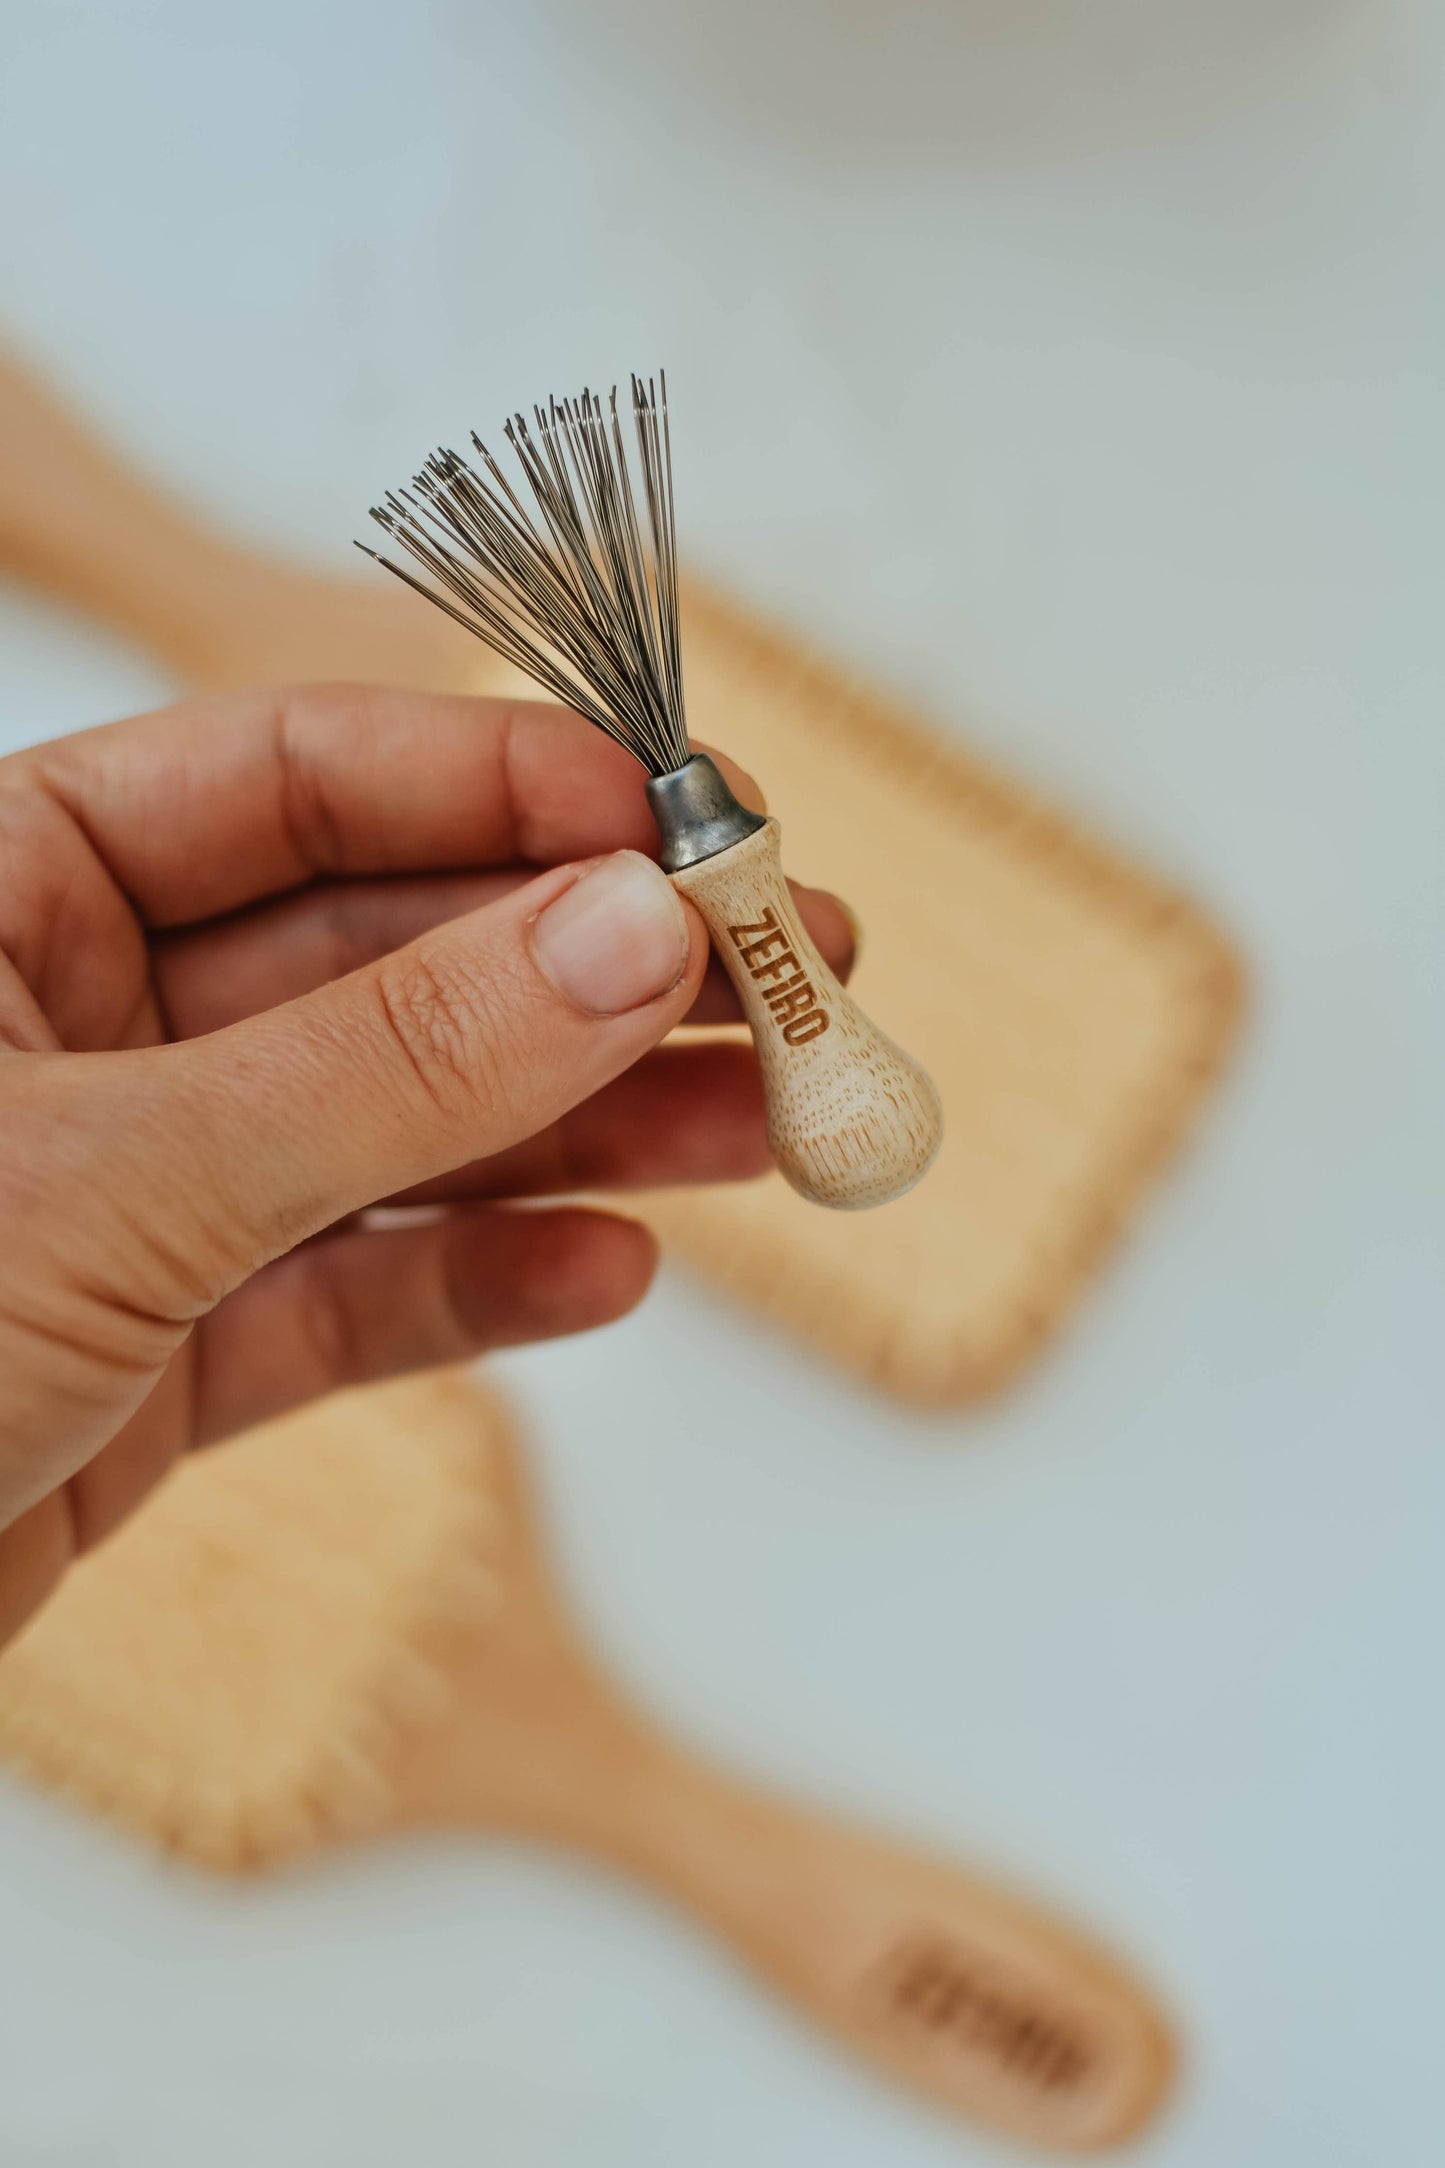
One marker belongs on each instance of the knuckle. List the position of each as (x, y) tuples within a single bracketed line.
[(47, 1142), (448, 1027), (310, 819), (87, 1266)]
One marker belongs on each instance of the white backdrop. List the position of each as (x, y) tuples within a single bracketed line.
[(1076, 367)]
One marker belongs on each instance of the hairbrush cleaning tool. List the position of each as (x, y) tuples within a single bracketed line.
[(582, 594), (346, 1623)]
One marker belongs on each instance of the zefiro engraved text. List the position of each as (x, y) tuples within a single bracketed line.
[(766, 947), (931, 1987)]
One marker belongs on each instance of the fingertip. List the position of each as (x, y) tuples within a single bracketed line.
[(571, 1270), (614, 938), (626, 1258), (745, 787), (597, 1265), (833, 925), (699, 948)]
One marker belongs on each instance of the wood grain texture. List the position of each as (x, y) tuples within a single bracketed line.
[(345, 1624), (853, 1121)]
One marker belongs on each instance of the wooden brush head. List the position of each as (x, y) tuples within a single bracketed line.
[(229, 1674)]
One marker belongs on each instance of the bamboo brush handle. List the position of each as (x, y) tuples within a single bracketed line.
[(852, 1119), (76, 520), (958, 1989), (964, 1992)]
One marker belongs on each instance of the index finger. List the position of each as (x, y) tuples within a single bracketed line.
[(199, 808)]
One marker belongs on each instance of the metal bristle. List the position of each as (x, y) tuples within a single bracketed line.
[(573, 586)]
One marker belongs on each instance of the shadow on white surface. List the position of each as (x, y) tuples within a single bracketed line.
[(964, 81)]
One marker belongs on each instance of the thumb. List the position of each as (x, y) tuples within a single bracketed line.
[(473, 1037)]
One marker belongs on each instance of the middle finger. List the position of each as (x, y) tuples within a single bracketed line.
[(217, 974)]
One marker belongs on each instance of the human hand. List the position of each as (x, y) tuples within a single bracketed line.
[(269, 960)]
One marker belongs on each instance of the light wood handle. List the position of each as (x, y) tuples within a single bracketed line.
[(76, 520), (852, 1119), (967, 1993)]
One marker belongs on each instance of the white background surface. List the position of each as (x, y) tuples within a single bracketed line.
[(1076, 367)]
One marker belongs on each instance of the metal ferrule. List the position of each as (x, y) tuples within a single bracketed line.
[(697, 815)]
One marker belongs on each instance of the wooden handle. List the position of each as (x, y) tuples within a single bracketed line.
[(852, 1119), (966, 1993), (75, 519)]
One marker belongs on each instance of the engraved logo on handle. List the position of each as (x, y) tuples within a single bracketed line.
[(766, 948), (958, 2002)]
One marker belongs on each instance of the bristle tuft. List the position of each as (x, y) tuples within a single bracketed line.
[(574, 588), (235, 1674)]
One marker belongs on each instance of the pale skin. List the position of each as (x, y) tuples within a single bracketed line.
[(268, 961)]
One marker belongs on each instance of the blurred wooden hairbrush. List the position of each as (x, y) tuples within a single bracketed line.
[(344, 1624), (580, 590)]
